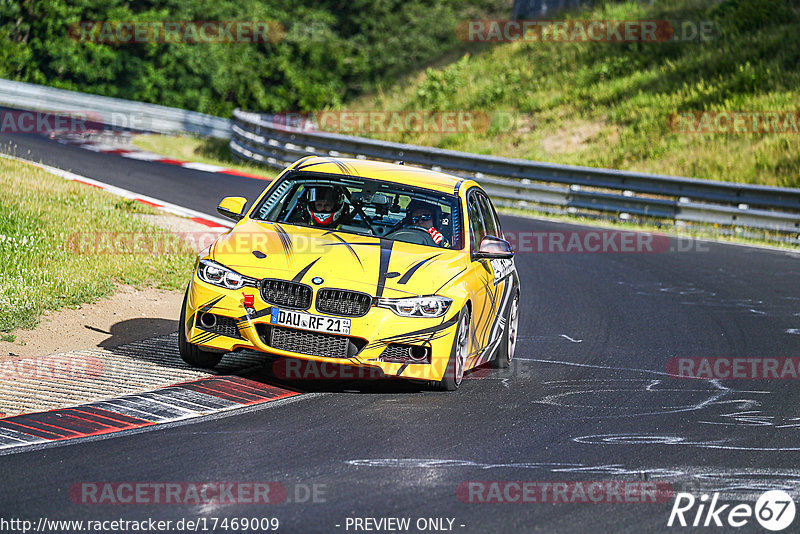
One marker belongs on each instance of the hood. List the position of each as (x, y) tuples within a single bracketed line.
[(379, 267)]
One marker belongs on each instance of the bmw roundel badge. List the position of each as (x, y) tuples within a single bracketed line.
[(317, 280)]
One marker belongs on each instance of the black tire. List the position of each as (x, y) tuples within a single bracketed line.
[(505, 352), (192, 354), (454, 374)]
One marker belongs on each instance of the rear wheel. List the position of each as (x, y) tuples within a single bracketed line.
[(505, 352), (190, 353), (454, 374)]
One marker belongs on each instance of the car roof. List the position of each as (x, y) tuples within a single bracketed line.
[(378, 170)]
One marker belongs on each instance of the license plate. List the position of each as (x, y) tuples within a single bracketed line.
[(307, 321)]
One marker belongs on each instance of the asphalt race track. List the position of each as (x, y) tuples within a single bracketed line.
[(588, 399)]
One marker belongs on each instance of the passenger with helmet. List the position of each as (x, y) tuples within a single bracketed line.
[(425, 216), (325, 206)]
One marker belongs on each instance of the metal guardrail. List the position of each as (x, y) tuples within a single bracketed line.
[(511, 182), (115, 113), (525, 184)]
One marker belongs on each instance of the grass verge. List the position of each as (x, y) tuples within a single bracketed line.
[(197, 149), (63, 244)]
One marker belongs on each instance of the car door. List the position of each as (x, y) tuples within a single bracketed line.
[(482, 279), (502, 278)]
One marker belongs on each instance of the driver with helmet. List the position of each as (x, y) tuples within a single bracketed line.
[(425, 216), (325, 206)]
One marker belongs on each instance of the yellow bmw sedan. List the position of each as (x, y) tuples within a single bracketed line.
[(394, 269)]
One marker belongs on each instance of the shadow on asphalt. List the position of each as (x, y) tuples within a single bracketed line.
[(132, 330), (277, 371), (287, 373)]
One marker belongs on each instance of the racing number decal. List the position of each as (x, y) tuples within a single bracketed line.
[(334, 322)]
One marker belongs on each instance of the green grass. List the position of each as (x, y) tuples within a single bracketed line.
[(609, 104), (48, 253), (197, 149)]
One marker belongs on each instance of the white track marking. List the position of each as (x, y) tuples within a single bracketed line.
[(647, 439), (144, 156), (206, 167), (557, 362), (732, 483), (99, 147)]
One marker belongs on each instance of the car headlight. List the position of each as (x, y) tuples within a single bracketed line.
[(431, 306), (219, 275)]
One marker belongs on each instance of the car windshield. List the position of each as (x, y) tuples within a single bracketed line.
[(365, 207)]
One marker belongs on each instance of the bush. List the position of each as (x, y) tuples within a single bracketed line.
[(332, 50)]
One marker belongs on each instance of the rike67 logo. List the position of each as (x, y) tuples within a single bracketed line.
[(774, 510)]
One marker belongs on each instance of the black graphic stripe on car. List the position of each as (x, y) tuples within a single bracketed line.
[(408, 340), (436, 328), (204, 337), (286, 241), (498, 326), (307, 165), (203, 309), (450, 280), (299, 276), (349, 247), (386, 255), (344, 168), (242, 321), (492, 301), (406, 277)]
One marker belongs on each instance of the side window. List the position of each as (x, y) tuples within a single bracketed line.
[(476, 225), (490, 217)]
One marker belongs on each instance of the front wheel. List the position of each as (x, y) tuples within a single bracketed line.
[(454, 374), (505, 352), (190, 353)]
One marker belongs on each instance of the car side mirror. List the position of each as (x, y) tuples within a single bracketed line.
[(232, 207), (494, 248)]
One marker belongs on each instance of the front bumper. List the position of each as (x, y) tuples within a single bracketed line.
[(378, 328)]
